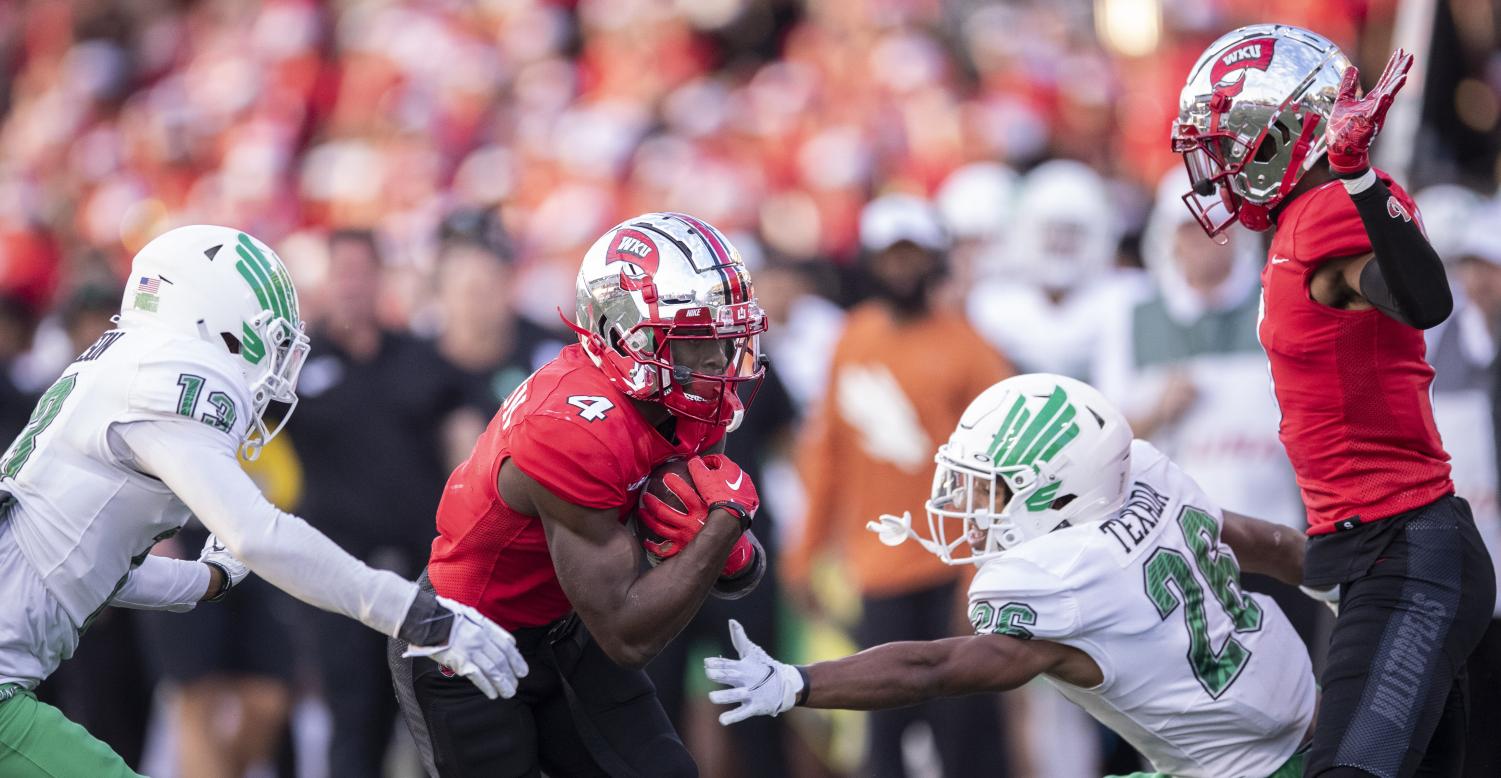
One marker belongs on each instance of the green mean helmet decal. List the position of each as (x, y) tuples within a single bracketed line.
[(1042, 499), (1020, 443), (251, 345), (270, 282)]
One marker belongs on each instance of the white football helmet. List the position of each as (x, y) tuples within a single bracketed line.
[(664, 278), (1064, 229), (1058, 448), (223, 286)]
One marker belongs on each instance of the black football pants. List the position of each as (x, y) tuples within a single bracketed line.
[(576, 713), (1416, 596)]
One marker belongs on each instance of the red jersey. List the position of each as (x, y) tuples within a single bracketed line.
[(570, 430), (1353, 386)]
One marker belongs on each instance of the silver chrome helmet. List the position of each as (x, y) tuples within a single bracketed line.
[(1251, 121), (664, 278)]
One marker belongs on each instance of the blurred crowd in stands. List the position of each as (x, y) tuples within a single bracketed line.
[(930, 195)]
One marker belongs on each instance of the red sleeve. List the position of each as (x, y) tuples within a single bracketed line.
[(570, 461), (1329, 227)]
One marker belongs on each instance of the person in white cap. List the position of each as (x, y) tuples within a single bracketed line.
[(1042, 301), (901, 373)]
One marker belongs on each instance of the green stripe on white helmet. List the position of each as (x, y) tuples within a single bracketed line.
[(225, 287), (1053, 444)]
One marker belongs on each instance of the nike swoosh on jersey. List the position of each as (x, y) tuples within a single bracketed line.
[(735, 484), (1280, 260)]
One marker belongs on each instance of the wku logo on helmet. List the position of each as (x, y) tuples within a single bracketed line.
[(1229, 72), (634, 247)]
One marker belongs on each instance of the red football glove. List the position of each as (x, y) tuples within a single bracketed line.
[(741, 557), (719, 483), (723, 484), (1353, 123)]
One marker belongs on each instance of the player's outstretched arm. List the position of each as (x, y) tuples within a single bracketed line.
[(887, 676), (198, 464), (1265, 548), (632, 616), (1403, 277)]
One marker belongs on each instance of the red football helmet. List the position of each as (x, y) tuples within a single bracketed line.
[(665, 280)]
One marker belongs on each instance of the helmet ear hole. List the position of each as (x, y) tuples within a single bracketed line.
[(231, 342), (1268, 148), (1062, 502)]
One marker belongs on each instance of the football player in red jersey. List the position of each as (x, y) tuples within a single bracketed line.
[(1349, 285), (532, 527)]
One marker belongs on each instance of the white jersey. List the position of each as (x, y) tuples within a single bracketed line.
[(1200, 677), (83, 513)]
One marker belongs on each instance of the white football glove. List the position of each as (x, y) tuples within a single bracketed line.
[(1328, 596), (215, 554), (762, 685), (479, 650)]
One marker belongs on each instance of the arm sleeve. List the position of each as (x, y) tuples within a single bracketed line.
[(165, 584), (198, 464), (1406, 281)]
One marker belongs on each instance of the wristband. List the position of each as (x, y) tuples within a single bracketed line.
[(802, 695), (225, 582), (734, 509), (427, 622)]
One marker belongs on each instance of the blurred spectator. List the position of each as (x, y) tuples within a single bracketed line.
[(17, 327), (369, 431), (1462, 351), (902, 373), (482, 335), (1045, 302)]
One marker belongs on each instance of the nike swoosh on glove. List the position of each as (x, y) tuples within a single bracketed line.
[(1353, 123), (761, 686), (722, 484), (216, 555), (479, 650)]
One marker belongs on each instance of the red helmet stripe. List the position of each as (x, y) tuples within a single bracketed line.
[(734, 288)]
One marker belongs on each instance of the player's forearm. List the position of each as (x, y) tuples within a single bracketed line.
[(279, 547), (1266, 548), (163, 583), (660, 603), (1406, 281), (887, 676)]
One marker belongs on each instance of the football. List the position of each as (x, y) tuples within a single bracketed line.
[(656, 485)]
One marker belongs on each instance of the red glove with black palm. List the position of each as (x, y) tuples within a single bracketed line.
[(1353, 123), (717, 483)]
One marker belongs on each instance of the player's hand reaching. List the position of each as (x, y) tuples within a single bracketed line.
[(477, 649), (761, 685), (1354, 122), (231, 570)]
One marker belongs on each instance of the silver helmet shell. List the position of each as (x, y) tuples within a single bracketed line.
[(663, 278), (1251, 118)]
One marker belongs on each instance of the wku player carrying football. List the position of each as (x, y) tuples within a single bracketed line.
[(532, 527), (1350, 284)]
